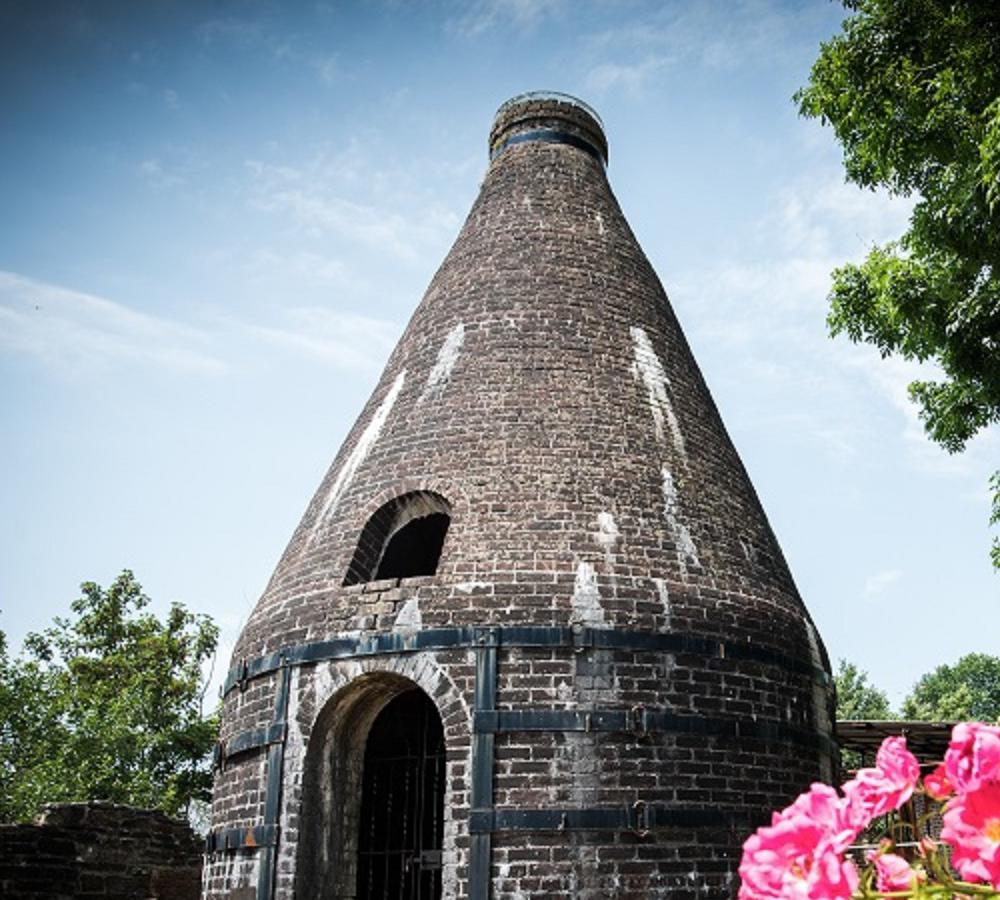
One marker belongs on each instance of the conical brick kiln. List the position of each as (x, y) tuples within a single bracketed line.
[(533, 635)]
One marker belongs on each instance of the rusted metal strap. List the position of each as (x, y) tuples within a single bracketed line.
[(251, 837)]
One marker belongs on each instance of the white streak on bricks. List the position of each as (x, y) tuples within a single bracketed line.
[(358, 454), (586, 598), (664, 595), (447, 356), (671, 510), (607, 532), (409, 617), (648, 368), (467, 587)]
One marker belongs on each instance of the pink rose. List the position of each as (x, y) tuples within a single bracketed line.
[(937, 784), (893, 873), (972, 827), (824, 806), (874, 792), (973, 755), (798, 856)]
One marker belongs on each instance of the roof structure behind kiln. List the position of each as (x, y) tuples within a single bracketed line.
[(544, 388), (535, 581)]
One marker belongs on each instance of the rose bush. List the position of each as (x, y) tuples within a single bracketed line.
[(804, 853)]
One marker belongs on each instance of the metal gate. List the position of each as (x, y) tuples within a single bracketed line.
[(402, 803)]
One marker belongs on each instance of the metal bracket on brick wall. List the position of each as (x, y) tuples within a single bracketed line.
[(249, 838), (513, 636), (245, 741), (485, 694)]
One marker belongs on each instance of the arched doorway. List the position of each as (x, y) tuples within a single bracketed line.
[(401, 821)]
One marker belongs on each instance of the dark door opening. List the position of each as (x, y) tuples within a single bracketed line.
[(402, 803)]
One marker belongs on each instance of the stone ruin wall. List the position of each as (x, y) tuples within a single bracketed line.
[(102, 851)]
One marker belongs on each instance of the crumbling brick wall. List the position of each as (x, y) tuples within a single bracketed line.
[(100, 850)]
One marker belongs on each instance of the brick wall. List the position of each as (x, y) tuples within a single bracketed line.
[(102, 851)]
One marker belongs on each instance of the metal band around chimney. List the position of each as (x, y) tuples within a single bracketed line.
[(639, 818), (549, 136), (641, 721), (382, 643), (635, 721)]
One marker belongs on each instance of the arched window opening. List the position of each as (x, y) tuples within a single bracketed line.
[(403, 538), (402, 802), (415, 549)]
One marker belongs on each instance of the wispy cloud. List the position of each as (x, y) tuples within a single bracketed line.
[(247, 34), (303, 267), (629, 77), (241, 32), (890, 377), (74, 332), (771, 307), (153, 171), (715, 36), (171, 98), (327, 69), (342, 340), (523, 14), (785, 267), (766, 303), (312, 198), (821, 216), (880, 582)]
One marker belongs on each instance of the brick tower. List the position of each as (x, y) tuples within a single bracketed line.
[(534, 635)]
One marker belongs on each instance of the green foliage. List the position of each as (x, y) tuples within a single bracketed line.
[(857, 698), (107, 705), (912, 91), (995, 517), (968, 690)]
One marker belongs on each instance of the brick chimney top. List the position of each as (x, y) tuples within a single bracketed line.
[(548, 117)]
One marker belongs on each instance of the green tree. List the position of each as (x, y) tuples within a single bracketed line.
[(107, 705), (912, 90), (857, 698), (968, 690)]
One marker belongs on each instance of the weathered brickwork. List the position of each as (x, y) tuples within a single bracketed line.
[(100, 851), (543, 388)]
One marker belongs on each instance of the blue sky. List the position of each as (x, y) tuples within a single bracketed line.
[(219, 216)]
